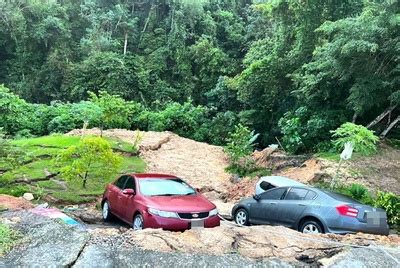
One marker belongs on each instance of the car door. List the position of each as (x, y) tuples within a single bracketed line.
[(114, 195), (265, 209), (127, 201), (293, 205)]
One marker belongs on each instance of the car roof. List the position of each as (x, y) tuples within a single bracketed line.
[(280, 181), (152, 176)]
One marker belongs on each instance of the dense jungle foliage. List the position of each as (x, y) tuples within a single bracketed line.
[(291, 69)]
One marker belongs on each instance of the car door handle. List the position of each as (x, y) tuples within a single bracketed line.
[(302, 205), (272, 203)]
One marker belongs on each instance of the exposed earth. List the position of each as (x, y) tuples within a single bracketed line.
[(203, 166)]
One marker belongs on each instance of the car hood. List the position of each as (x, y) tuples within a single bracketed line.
[(190, 203)]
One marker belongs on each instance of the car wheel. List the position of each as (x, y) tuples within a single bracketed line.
[(311, 227), (106, 212), (242, 217), (138, 222)]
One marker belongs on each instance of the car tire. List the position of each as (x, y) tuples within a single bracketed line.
[(242, 217), (106, 211), (138, 222), (311, 227)]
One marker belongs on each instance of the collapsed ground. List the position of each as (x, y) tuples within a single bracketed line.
[(203, 166)]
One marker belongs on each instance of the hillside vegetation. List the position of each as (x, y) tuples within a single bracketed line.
[(289, 69), (38, 172)]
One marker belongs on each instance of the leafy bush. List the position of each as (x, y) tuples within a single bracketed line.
[(239, 148), (391, 203), (92, 157), (357, 191), (304, 130), (363, 139), (184, 119), (8, 238), (115, 111)]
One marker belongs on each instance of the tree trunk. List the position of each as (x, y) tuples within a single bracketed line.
[(381, 116), (355, 115), (85, 179), (126, 42), (386, 131)]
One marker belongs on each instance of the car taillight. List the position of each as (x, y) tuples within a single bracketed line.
[(346, 210)]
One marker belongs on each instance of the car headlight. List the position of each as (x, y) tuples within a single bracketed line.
[(213, 212), (164, 214)]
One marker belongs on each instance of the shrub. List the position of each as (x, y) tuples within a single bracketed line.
[(357, 191), (391, 203), (363, 140), (183, 119), (239, 148), (8, 238)]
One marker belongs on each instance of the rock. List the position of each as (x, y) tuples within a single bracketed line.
[(43, 205), (46, 243), (91, 216), (28, 196)]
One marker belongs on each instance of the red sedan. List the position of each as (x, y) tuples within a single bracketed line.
[(158, 201)]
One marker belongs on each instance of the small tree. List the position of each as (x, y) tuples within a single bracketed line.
[(239, 148), (363, 140), (92, 157), (115, 110)]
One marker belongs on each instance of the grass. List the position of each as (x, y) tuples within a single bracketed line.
[(8, 238), (40, 152), (328, 156), (59, 141)]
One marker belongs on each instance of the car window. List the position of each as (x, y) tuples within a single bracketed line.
[(130, 183), (121, 182), (274, 194), (266, 185), (310, 195), (340, 197), (296, 194)]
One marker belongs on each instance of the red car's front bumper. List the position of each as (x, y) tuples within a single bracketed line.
[(153, 221)]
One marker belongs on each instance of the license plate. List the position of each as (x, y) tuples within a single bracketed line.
[(197, 224), (375, 218)]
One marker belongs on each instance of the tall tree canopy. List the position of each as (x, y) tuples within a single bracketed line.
[(287, 68)]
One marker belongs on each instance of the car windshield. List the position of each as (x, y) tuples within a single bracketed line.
[(165, 187)]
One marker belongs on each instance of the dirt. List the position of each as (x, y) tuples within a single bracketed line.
[(256, 242), (309, 172), (200, 164), (14, 203)]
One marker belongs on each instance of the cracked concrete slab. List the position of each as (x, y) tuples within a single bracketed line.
[(46, 242)]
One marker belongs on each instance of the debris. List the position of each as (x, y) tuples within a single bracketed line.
[(28, 196), (14, 203), (54, 214)]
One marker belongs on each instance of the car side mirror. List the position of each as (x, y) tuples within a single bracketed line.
[(128, 192), (256, 197)]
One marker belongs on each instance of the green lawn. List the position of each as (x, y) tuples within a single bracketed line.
[(40, 152)]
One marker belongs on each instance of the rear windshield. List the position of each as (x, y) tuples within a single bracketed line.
[(341, 197)]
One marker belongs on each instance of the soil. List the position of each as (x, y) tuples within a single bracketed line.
[(200, 164), (14, 203)]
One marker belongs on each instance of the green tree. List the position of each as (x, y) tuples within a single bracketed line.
[(115, 110), (363, 140), (239, 148), (92, 158)]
